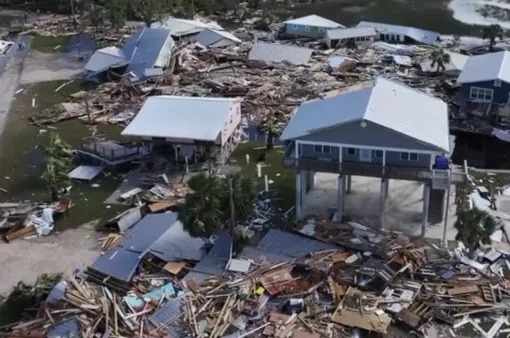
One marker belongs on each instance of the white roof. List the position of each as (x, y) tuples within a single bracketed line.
[(315, 21), (394, 106), (195, 118), (347, 33), (181, 27), (486, 67), (457, 63)]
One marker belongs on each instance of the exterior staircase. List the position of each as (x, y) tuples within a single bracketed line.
[(436, 206)]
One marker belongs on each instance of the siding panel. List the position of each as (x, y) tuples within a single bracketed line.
[(500, 93)]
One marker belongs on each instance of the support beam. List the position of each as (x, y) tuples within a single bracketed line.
[(382, 202), (387, 187), (426, 200), (298, 196), (340, 198), (349, 184), (446, 209)]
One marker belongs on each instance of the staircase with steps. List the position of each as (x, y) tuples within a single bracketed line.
[(436, 206)]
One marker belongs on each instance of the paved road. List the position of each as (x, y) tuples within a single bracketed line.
[(9, 77)]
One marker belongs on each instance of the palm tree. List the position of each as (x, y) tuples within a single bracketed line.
[(272, 127), (207, 208), (58, 161), (439, 59), (474, 227), (492, 33), (201, 214)]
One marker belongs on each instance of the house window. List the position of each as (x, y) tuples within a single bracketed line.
[(351, 151), (497, 83), (409, 156), (295, 27), (307, 28), (322, 149), (378, 153), (481, 94), (231, 119), (321, 29)]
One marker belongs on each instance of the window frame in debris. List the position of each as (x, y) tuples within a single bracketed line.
[(378, 153), (353, 153), (474, 94), (497, 83)]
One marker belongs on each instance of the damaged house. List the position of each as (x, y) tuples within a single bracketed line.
[(193, 127), (404, 34), (212, 38), (146, 53), (183, 27), (342, 36), (485, 85)]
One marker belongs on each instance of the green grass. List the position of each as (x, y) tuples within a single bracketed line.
[(284, 179), (22, 155), (47, 44)]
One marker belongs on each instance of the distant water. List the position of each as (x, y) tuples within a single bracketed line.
[(470, 12)]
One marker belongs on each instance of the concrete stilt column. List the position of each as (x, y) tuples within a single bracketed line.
[(349, 183), (340, 198), (387, 187), (298, 196), (382, 201), (426, 199)]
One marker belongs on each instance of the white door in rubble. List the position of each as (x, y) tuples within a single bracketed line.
[(365, 155)]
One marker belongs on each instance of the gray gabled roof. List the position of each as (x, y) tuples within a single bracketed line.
[(389, 104), (349, 33), (486, 67), (209, 37), (275, 52), (417, 34)]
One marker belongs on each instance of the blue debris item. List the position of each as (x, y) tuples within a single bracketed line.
[(447, 274), (155, 295)]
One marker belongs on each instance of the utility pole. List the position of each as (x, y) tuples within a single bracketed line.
[(232, 211)]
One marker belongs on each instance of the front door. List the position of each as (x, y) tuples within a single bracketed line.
[(365, 155)]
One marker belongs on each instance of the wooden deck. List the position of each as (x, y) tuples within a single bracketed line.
[(113, 153)]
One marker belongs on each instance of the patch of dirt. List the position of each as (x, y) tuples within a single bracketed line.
[(44, 67), (25, 259)]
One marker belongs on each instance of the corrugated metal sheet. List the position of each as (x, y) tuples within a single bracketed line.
[(119, 263), (57, 293), (274, 52), (290, 244), (195, 118), (314, 21), (214, 263), (106, 58), (486, 67), (208, 37), (251, 252), (129, 218), (67, 328), (397, 107), (419, 35), (176, 244), (182, 27), (171, 309), (348, 33)]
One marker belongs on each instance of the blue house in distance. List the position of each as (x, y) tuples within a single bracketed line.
[(310, 26), (486, 79)]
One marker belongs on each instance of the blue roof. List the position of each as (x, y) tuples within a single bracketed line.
[(145, 47), (67, 328), (57, 293), (214, 263), (153, 231), (417, 34), (291, 244)]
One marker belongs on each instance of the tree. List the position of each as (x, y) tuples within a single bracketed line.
[(492, 33), (207, 208), (58, 161), (474, 227), (116, 12), (439, 58), (96, 15), (150, 11), (272, 127)]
